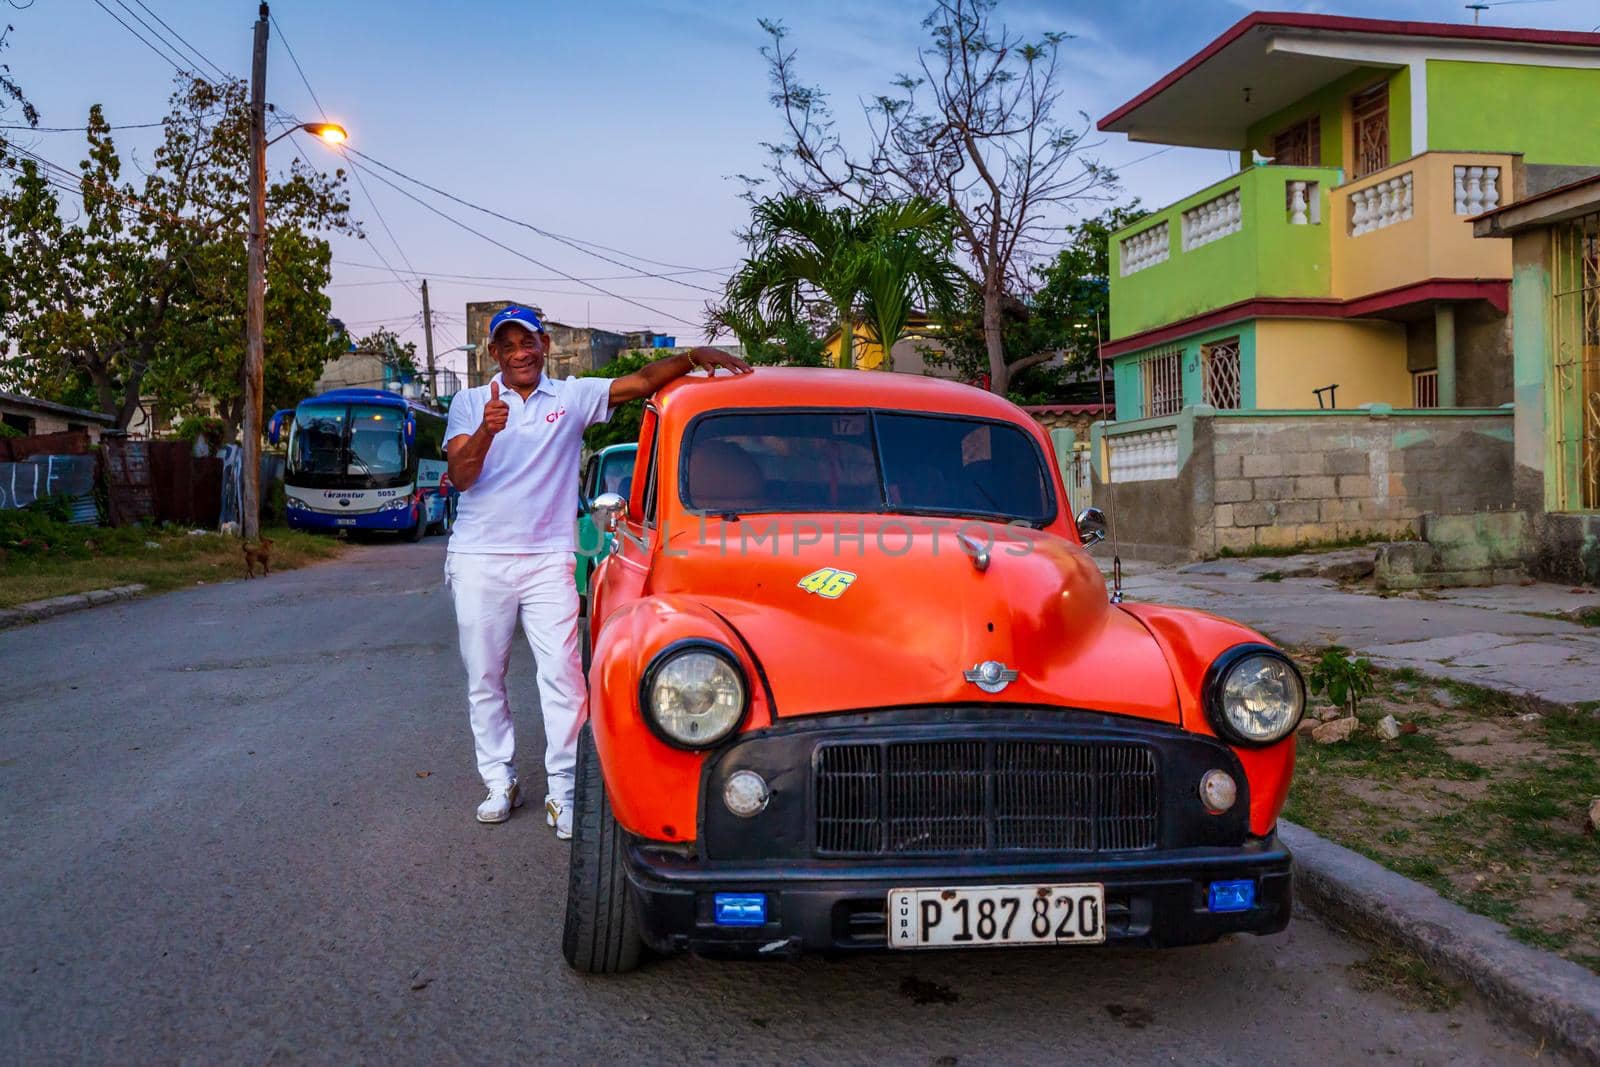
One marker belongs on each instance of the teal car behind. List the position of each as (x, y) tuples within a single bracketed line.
[(609, 470)]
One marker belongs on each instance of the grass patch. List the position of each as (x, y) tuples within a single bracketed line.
[(1407, 978), (1484, 803), (44, 559), (1270, 576)]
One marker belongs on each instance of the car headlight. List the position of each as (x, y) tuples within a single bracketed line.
[(694, 694), (1254, 695)]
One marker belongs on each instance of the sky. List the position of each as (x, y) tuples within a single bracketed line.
[(621, 123)]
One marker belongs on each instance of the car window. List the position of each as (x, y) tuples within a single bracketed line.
[(855, 460), (616, 473)]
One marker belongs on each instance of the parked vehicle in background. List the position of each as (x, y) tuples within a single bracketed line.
[(365, 459), (857, 685), (609, 470)]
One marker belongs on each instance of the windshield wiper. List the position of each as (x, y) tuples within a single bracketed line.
[(351, 457)]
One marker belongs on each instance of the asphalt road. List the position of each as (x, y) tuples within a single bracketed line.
[(236, 826)]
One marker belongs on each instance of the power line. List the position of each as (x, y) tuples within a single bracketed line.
[(283, 38), (570, 242), (192, 49), (536, 262), (176, 65), (83, 129), (456, 276)]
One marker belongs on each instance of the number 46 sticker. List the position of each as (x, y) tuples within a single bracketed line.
[(828, 582)]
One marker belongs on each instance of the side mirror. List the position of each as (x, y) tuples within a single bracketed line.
[(275, 426), (607, 510), (1091, 526), (411, 428)]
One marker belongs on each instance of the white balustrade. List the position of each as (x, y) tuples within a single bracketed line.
[(1299, 212), (1145, 248), (1146, 456), (1381, 204), (1477, 189), (1214, 219)]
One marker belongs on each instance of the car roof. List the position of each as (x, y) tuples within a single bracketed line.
[(829, 387), (625, 446)]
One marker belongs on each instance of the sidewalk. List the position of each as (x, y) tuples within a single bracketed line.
[(1493, 637)]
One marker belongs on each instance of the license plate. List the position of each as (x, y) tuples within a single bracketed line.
[(344, 522), (974, 916)]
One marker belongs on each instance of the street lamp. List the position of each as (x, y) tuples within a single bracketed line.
[(256, 278), (331, 132)]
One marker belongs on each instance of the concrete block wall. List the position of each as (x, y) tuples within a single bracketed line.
[(1275, 480)]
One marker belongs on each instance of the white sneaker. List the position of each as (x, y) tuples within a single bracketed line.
[(503, 796), (559, 816)]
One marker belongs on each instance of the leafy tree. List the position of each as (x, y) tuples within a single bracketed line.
[(11, 93), (402, 356), (143, 293), (976, 130), (623, 426), (808, 262), (1058, 317)]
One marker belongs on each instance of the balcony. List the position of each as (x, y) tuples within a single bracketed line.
[(1407, 224), (1296, 232), (1260, 233)]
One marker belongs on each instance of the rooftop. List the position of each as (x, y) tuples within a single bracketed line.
[(18, 400), (1269, 59)]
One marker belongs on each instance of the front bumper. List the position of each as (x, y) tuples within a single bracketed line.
[(1153, 899)]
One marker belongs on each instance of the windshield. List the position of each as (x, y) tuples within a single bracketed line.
[(865, 461), (356, 445)]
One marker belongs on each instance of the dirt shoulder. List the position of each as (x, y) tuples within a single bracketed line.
[(1487, 802)]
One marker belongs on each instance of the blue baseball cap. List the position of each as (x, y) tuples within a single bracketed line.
[(519, 315)]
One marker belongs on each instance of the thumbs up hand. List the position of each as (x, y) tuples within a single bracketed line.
[(495, 412)]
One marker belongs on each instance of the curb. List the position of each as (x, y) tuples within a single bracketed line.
[(1556, 998), (60, 605)]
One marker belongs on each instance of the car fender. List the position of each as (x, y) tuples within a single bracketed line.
[(1192, 640), (654, 787)]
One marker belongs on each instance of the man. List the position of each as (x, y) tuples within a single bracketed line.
[(513, 448)]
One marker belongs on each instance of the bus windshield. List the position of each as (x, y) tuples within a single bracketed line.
[(353, 445)]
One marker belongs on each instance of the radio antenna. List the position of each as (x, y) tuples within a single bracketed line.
[(1111, 484)]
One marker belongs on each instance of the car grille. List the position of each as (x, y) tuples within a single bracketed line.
[(985, 794)]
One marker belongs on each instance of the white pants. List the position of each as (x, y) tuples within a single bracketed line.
[(491, 592)]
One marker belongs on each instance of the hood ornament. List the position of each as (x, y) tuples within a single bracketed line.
[(991, 676), (976, 549)]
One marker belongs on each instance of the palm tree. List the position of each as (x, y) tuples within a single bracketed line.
[(905, 265), (878, 259)]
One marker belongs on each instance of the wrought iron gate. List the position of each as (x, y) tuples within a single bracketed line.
[(1575, 329)]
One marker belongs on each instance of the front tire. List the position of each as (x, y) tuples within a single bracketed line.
[(419, 529), (601, 934)]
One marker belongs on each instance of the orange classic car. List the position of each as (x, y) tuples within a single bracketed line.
[(856, 684)]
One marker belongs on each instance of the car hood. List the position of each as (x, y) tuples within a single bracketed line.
[(918, 614)]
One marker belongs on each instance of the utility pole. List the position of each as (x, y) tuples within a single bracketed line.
[(427, 336), (255, 295)]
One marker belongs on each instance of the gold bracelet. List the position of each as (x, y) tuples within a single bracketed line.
[(694, 364)]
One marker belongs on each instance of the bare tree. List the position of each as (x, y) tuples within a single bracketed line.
[(976, 130)]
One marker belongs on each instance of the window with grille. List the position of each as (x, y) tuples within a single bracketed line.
[(1369, 124), (1161, 383), (1220, 360), (1300, 145), (1425, 389)]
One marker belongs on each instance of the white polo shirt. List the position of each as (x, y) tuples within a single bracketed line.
[(526, 498)]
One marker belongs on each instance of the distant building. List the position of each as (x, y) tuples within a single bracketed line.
[(576, 349), (910, 352), (31, 417)]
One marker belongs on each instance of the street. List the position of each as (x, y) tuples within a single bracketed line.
[(236, 826)]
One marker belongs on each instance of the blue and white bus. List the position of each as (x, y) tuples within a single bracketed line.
[(365, 459)]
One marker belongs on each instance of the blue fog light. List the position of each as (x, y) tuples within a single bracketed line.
[(1232, 896), (741, 909)]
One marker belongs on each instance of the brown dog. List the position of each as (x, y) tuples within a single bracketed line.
[(262, 554)]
